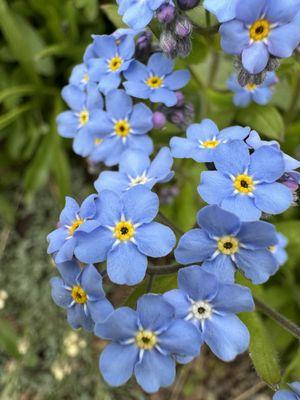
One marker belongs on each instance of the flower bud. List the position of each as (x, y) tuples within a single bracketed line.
[(183, 27), (143, 45), (168, 44), (178, 117), (159, 120), (180, 99), (184, 47), (187, 4), (166, 13)]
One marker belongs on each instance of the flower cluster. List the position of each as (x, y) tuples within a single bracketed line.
[(113, 234)]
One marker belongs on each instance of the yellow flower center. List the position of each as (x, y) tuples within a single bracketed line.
[(244, 184), (155, 82), (85, 78), (122, 128), (79, 295), (98, 141), (84, 117), (260, 30), (272, 249), (145, 340), (115, 63), (210, 144), (124, 230), (76, 224), (251, 87), (139, 180), (228, 245)]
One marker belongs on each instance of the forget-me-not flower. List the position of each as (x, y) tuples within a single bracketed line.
[(224, 10), (79, 122), (260, 94), (79, 76), (156, 81), (203, 139), (246, 184), (262, 28), (145, 343), (127, 235), (224, 244), (135, 168), (80, 292), (292, 394), (112, 56), (73, 219), (123, 126), (211, 306)]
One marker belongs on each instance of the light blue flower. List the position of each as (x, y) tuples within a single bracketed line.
[(203, 139), (260, 94), (156, 81), (278, 250), (224, 10), (145, 343), (123, 126), (79, 122), (225, 244), (80, 292), (262, 28), (245, 184), (292, 394), (112, 56), (127, 235), (135, 168), (138, 14), (73, 219), (211, 306)]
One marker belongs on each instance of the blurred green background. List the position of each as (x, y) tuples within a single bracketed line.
[(40, 358)]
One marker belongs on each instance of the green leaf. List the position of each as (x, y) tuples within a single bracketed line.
[(266, 120), (111, 11), (8, 339), (13, 114), (261, 350)]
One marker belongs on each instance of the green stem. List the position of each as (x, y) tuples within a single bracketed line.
[(165, 269), (290, 113), (150, 283)]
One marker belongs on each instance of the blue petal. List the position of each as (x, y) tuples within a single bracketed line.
[(232, 158), (109, 82), (91, 282), (282, 12), (234, 133), (255, 57), (109, 208), (222, 267), (137, 89), (161, 165), (160, 65), (285, 395), (70, 211), (154, 371), (77, 318), (250, 10), (56, 239), (127, 47), (99, 309), (266, 164), (214, 187), (154, 312), (234, 37), (94, 98), (262, 96), (111, 180), (67, 124), (218, 222), (137, 72), (163, 95), (242, 99), (134, 163), (120, 325), (233, 299), (284, 39), (66, 251), (141, 119), (101, 124), (197, 283), (180, 301), (242, 206), (194, 246), (226, 336), (118, 104), (138, 15), (257, 265), (295, 386), (69, 271), (74, 97), (257, 234), (83, 143), (177, 79), (206, 130), (126, 265), (97, 68), (185, 148), (117, 363), (140, 205), (105, 46), (141, 142), (223, 9), (155, 240), (273, 198), (60, 295), (93, 247)]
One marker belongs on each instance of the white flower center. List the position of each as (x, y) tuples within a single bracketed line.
[(201, 310)]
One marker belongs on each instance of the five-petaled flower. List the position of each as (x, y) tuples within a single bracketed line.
[(127, 235), (292, 394), (80, 292), (225, 244), (203, 139), (145, 343), (156, 81), (135, 168), (262, 28), (246, 184), (211, 305)]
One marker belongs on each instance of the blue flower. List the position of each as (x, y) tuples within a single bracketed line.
[(138, 14), (224, 10), (278, 250), (127, 235), (111, 57), (145, 343), (135, 168), (260, 94), (211, 306), (261, 29), (225, 244), (246, 185), (79, 76), (156, 81), (72, 220), (203, 139), (79, 122), (293, 394), (123, 126), (80, 292)]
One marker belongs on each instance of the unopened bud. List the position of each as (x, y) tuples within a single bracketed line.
[(183, 27), (180, 99), (187, 4), (168, 44), (166, 13), (184, 47), (159, 120)]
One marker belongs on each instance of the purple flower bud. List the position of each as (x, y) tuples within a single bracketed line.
[(180, 99), (168, 44), (143, 46), (159, 120), (187, 4), (178, 117), (166, 13), (183, 27)]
